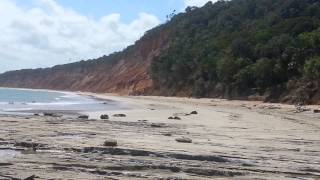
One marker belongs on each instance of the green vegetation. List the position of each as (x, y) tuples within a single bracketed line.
[(240, 47)]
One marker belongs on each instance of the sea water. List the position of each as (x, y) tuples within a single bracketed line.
[(24, 101)]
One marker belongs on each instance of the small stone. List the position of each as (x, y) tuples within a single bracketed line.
[(104, 116), (184, 140), (194, 112), (110, 143), (157, 125), (119, 115)]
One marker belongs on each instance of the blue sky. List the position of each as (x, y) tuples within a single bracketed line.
[(44, 33), (129, 9)]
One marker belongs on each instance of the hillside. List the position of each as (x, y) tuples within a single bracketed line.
[(243, 49)]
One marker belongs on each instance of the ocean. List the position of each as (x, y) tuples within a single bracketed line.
[(29, 101)]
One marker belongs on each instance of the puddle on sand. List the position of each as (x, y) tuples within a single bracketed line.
[(6, 155)]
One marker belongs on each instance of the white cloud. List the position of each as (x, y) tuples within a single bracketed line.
[(50, 34), (197, 3)]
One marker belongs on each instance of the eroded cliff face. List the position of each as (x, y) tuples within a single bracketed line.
[(125, 72)]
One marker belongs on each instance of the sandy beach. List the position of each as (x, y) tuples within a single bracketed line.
[(221, 139)]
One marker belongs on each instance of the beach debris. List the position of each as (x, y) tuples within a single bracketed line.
[(194, 112), (104, 116), (52, 114), (184, 140), (300, 109), (316, 111), (110, 142), (31, 147), (83, 117), (119, 115), (157, 125), (175, 118)]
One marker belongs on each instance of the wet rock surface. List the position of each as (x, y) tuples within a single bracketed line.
[(104, 116), (83, 117), (229, 144)]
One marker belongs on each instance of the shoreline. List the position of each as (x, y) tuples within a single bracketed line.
[(104, 96)]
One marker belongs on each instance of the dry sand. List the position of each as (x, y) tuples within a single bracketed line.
[(230, 140)]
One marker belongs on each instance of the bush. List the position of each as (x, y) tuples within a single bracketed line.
[(312, 68)]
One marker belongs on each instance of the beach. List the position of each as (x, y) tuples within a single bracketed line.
[(164, 138)]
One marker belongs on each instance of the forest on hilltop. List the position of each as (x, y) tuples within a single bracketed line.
[(241, 47)]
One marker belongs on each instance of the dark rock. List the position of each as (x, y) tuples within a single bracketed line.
[(104, 116), (167, 134), (316, 111), (194, 112), (199, 157), (184, 140), (175, 118), (110, 142), (83, 117), (27, 144), (36, 114), (30, 177), (47, 114), (157, 125), (119, 115)]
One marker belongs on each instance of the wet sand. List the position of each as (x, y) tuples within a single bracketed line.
[(230, 140)]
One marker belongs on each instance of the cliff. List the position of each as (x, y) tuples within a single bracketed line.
[(123, 72)]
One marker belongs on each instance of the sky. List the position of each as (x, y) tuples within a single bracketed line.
[(43, 33)]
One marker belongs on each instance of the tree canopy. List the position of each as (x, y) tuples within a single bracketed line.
[(240, 47)]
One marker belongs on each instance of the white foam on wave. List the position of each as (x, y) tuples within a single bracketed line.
[(54, 104), (16, 109)]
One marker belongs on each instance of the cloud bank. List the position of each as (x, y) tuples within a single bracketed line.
[(197, 3), (48, 34)]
